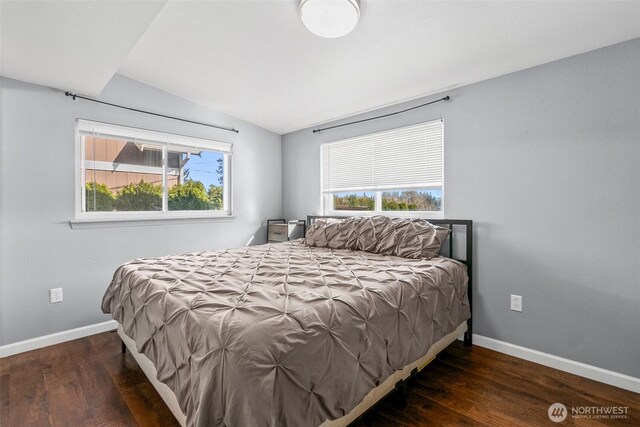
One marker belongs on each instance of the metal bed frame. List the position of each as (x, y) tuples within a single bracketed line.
[(468, 256)]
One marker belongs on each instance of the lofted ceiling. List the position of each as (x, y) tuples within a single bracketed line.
[(77, 45), (256, 61)]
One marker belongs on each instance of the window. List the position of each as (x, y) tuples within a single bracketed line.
[(399, 171), (127, 173)]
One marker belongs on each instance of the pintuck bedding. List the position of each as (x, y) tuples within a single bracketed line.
[(283, 334)]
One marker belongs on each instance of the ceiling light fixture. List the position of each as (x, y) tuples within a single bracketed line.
[(330, 18)]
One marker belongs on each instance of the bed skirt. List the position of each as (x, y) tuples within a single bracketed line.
[(369, 400)]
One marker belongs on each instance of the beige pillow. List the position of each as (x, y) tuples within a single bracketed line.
[(404, 237), (333, 233)]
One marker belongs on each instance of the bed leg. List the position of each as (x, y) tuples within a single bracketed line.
[(468, 334), (124, 347), (401, 393), (467, 339)]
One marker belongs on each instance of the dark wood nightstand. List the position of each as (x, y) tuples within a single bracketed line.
[(279, 230)]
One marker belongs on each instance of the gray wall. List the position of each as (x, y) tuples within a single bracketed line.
[(546, 162), (41, 251)]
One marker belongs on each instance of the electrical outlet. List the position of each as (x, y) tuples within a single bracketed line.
[(55, 295), (516, 302)]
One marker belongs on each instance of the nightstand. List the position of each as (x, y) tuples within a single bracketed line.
[(279, 230)]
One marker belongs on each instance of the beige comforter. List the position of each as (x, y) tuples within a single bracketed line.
[(283, 334)]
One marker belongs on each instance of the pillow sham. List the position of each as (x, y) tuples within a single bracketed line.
[(333, 233), (404, 237)]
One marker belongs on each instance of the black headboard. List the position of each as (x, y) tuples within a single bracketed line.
[(452, 224)]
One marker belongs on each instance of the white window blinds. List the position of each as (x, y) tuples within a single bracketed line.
[(402, 158)]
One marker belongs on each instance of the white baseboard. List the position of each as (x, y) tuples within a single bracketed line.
[(577, 368), (57, 338)]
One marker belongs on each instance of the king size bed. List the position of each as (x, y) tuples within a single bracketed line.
[(302, 333)]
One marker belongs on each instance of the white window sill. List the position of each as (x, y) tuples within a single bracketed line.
[(83, 223)]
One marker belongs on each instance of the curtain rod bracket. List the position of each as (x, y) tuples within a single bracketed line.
[(446, 98), (74, 96)]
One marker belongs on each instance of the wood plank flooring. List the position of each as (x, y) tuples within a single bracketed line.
[(88, 382)]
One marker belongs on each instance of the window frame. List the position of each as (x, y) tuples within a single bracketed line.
[(327, 198), (167, 141), (327, 201)]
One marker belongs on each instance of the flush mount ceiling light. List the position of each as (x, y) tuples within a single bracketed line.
[(330, 18)]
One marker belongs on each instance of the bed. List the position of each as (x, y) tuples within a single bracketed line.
[(288, 334)]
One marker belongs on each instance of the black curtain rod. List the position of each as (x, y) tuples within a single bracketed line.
[(446, 98), (74, 96)]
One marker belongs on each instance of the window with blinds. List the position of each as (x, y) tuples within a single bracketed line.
[(395, 170), (126, 173)]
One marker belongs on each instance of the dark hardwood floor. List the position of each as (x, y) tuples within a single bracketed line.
[(88, 382)]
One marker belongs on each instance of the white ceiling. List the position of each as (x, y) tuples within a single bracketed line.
[(256, 61), (70, 45)]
